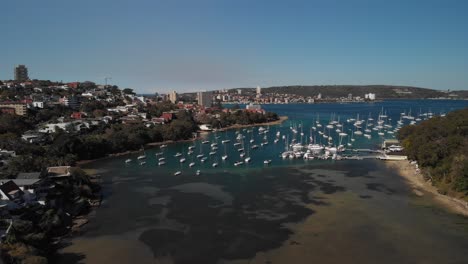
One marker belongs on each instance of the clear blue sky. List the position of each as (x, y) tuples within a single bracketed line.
[(152, 45)]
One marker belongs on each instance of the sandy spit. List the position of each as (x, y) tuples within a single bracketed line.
[(419, 185)]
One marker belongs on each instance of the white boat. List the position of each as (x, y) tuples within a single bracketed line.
[(158, 154), (315, 147), (214, 145), (266, 161), (190, 152), (142, 163), (128, 161), (163, 146), (215, 165), (177, 173), (198, 172), (224, 157), (254, 147), (203, 159), (242, 155), (191, 147), (199, 156), (237, 163), (191, 164), (161, 159), (206, 142), (237, 144), (182, 160), (141, 157), (178, 154), (247, 160), (161, 163), (225, 141), (212, 153)]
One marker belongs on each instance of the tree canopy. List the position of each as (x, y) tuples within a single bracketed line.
[(440, 145)]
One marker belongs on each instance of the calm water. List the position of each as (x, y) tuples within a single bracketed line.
[(292, 211)]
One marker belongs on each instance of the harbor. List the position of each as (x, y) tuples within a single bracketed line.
[(329, 138), (268, 208)]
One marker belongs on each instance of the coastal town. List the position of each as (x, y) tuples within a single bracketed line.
[(47, 127)]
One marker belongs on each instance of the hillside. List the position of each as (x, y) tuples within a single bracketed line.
[(440, 146), (382, 91)]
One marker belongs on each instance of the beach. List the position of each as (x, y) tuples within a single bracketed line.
[(420, 186)]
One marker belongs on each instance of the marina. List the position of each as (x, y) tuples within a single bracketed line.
[(331, 137), (299, 202)]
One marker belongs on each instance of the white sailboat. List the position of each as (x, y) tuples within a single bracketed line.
[(225, 156)]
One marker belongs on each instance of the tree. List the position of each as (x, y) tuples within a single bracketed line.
[(128, 91)]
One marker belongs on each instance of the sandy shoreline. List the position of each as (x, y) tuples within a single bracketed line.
[(155, 144), (419, 184)]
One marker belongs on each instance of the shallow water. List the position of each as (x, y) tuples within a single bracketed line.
[(289, 212)]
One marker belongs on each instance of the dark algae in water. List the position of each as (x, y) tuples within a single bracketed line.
[(253, 222)]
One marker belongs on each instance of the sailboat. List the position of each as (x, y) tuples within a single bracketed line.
[(215, 164), (142, 156), (128, 161), (225, 156), (247, 160)]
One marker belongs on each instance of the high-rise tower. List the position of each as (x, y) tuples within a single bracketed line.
[(21, 73)]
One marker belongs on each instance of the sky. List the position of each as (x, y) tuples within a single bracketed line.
[(195, 45)]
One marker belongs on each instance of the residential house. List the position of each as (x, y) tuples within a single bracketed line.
[(11, 194), (33, 137)]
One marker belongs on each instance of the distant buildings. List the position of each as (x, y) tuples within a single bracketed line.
[(21, 73), (72, 101), (370, 96), (173, 97), (252, 106), (205, 98), (13, 108)]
